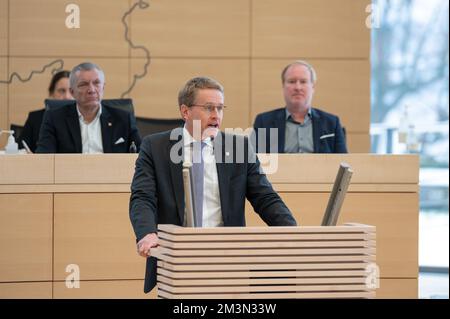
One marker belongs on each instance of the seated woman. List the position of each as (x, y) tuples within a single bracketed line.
[(59, 90)]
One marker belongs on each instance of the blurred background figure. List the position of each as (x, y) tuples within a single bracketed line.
[(59, 90)]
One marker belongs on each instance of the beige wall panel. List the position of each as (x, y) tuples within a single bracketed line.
[(3, 100), (358, 142), (156, 95), (342, 88), (118, 289), (27, 169), (94, 232), (28, 96), (392, 214), (26, 237), (198, 28), (405, 288), (26, 290), (323, 28), (3, 28), (75, 169), (38, 28), (322, 168)]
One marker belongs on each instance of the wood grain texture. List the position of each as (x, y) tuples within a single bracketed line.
[(39, 29), (27, 169), (94, 232), (91, 169), (26, 290), (294, 28), (4, 121), (156, 96), (198, 28), (26, 237), (108, 289), (397, 251), (3, 29)]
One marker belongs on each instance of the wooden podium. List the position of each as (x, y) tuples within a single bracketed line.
[(266, 262)]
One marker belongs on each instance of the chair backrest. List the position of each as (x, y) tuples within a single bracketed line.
[(17, 131), (121, 104), (147, 126)]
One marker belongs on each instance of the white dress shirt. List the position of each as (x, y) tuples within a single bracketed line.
[(212, 211), (91, 134)]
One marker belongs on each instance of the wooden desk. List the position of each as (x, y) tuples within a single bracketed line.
[(57, 210)]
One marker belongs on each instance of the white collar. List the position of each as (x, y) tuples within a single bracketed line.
[(188, 139), (80, 116)]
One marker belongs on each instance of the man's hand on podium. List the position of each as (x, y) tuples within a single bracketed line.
[(145, 244)]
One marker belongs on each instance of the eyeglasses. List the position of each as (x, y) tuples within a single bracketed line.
[(209, 108)]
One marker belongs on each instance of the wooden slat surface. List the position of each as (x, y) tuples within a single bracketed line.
[(263, 237), (262, 252), (266, 266), (259, 281), (266, 259), (314, 295), (282, 288), (267, 244), (257, 274), (222, 271), (348, 228)]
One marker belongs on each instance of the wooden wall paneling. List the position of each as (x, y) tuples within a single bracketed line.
[(73, 169), (3, 29), (39, 29), (398, 288), (397, 232), (94, 232), (367, 169), (156, 95), (27, 96), (26, 237), (114, 289), (325, 29), (26, 290), (198, 28), (358, 142), (27, 169), (342, 88), (4, 123)]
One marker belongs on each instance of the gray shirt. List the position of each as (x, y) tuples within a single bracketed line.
[(299, 137)]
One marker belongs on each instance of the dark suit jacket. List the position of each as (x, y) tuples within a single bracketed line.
[(157, 192), (30, 132), (60, 131), (323, 124)]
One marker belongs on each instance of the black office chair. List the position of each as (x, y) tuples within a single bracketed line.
[(147, 126), (17, 131), (121, 104)]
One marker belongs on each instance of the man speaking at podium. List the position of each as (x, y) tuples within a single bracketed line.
[(224, 176)]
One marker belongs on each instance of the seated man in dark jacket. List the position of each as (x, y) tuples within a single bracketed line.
[(87, 126), (298, 127)]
